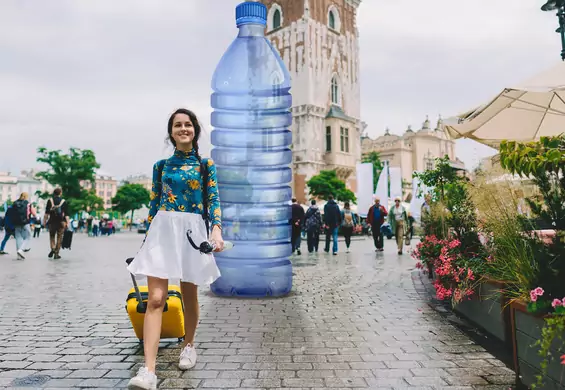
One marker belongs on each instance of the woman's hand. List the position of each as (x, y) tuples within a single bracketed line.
[(216, 236)]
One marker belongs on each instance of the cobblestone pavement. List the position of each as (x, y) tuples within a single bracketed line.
[(352, 321)]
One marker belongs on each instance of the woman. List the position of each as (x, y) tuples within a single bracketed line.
[(21, 218), (348, 223), (398, 219), (176, 208)]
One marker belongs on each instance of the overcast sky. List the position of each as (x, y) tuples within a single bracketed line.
[(105, 74)]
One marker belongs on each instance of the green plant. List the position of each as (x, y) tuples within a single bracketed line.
[(456, 214), (510, 255), (544, 160), (554, 328), (327, 183)]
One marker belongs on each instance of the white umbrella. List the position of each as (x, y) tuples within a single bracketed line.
[(531, 110)]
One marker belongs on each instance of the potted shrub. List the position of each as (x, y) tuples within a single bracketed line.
[(539, 324)]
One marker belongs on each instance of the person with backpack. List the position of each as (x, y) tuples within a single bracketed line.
[(184, 212), (313, 223), (349, 221), (376, 217), (332, 220), (21, 217), (9, 230), (57, 216), (297, 222)]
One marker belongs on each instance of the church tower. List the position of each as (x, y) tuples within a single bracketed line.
[(318, 41)]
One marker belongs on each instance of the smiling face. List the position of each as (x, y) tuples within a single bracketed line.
[(183, 131)]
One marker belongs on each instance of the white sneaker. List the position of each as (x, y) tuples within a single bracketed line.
[(21, 254), (347, 250), (187, 358), (144, 379)]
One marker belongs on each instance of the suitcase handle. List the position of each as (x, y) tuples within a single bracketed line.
[(141, 307)]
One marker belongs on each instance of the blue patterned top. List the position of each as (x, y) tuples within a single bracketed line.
[(180, 187)]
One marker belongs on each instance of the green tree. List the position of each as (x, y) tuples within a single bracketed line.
[(69, 171), (327, 183), (130, 197), (375, 159)]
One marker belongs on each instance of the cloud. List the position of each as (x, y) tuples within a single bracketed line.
[(106, 74)]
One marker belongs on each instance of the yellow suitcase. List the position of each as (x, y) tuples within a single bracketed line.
[(173, 314)]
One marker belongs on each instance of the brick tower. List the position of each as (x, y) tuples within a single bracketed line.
[(318, 41)]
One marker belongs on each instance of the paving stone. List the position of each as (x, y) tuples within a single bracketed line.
[(358, 320)]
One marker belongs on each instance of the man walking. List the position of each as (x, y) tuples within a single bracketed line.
[(375, 218), (313, 222), (332, 220), (9, 230), (297, 223), (56, 215)]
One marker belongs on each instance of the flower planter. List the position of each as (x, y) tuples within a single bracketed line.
[(526, 330), (488, 309)]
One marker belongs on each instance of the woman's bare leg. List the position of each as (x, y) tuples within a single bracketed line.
[(191, 311), (158, 291)]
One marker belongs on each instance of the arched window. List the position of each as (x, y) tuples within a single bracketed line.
[(334, 22), (335, 90), (276, 19)]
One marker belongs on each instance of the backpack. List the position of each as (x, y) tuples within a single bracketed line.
[(347, 218), (56, 211), (314, 219), (19, 217)]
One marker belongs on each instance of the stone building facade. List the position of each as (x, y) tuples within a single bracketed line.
[(318, 41), (414, 150)]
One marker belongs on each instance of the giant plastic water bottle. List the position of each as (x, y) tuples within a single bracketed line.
[(251, 139)]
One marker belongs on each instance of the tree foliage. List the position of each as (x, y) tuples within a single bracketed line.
[(454, 210), (375, 159), (130, 197), (327, 183), (69, 171)]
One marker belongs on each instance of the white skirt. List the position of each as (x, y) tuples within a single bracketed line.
[(167, 253)]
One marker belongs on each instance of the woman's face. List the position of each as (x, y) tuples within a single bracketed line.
[(183, 130)]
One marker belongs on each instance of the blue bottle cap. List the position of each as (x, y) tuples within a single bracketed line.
[(250, 12)]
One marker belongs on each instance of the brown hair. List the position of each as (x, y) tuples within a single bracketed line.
[(195, 124)]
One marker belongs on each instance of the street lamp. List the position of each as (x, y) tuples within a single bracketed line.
[(558, 5)]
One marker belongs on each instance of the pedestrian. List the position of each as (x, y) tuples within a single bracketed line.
[(96, 227), (57, 216), (21, 218), (313, 224), (375, 218), (349, 222), (297, 222), (9, 230), (176, 209), (398, 220), (332, 220)]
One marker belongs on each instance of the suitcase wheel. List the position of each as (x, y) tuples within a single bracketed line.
[(181, 339)]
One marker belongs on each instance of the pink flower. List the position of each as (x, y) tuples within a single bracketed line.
[(533, 296), (419, 265), (539, 291), (563, 359), (556, 302)]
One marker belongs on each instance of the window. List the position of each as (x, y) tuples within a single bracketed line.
[(332, 20), (335, 90), (429, 164), (328, 138), (344, 139), (276, 19)]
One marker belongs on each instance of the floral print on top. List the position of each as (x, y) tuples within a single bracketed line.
[(180, 186)]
